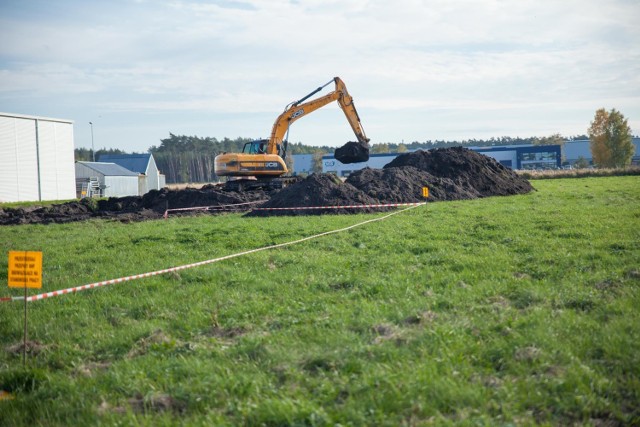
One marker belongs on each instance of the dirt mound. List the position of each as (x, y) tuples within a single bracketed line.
[(131, 208), (450, 173), (404, 185), (318, 189), (352, 152), (468, 169), (67, 212), (209, 195)]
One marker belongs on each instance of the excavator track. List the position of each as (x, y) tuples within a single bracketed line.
[(240, 185)]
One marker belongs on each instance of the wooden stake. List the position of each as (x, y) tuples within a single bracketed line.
[(24, 344)]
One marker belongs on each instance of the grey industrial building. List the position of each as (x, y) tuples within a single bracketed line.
[(149, 178), (105, 180)]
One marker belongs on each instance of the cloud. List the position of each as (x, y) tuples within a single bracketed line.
[(251, 56)]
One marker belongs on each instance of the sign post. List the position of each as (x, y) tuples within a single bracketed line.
[(425, 192), (25, 271)]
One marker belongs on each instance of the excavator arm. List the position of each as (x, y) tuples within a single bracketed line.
[(298, 109)]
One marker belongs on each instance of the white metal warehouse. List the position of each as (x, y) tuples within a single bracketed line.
[(36, 158)]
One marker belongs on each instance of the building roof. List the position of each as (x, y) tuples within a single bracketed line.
[(134, 162), (24, 116), (108, 169)]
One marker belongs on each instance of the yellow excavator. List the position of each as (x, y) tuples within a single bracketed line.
[(261, 163)]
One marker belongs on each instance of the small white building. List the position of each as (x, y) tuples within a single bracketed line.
[(36, 158), (110, 179), (149, 177)]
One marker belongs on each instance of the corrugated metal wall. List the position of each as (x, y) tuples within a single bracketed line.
[(57, 171), (36, 159), (120, 186), (18, 160)]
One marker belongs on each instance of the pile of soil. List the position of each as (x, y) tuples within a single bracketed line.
[(352, 152), (404, 185), (449, 173), (318, 189), (67, 212), (209, 195), (131, 208), (468, 169)]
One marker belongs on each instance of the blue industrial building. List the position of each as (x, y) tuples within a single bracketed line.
[(575, 150), (512, 156)]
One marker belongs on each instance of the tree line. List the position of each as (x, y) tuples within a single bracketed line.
[(86, 154)]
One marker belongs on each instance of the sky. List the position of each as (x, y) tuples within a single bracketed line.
[(417, 70)]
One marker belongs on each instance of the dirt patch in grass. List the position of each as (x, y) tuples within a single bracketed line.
[(158, 403), (424, 317), (322, 363), (90, 368), (141, 405), (142, 345), (527, 354), (633, 274), (387, 333), (33, 348), (221, 332)]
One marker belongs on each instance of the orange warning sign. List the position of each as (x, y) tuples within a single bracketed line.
[(25, 269), (425, 192)]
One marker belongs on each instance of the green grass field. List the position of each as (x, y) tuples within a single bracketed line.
[(515, 310)]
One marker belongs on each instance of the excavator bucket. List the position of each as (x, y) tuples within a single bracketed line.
[(352, 152)]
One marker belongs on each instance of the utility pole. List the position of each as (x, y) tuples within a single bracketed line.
[(93, 150)]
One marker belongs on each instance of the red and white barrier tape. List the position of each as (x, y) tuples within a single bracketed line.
[(196, 264), (210, 208), (385, 205)]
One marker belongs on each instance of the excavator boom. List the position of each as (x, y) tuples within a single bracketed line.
[(297, 110)]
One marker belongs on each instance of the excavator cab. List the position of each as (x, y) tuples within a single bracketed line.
[(259, 146)]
